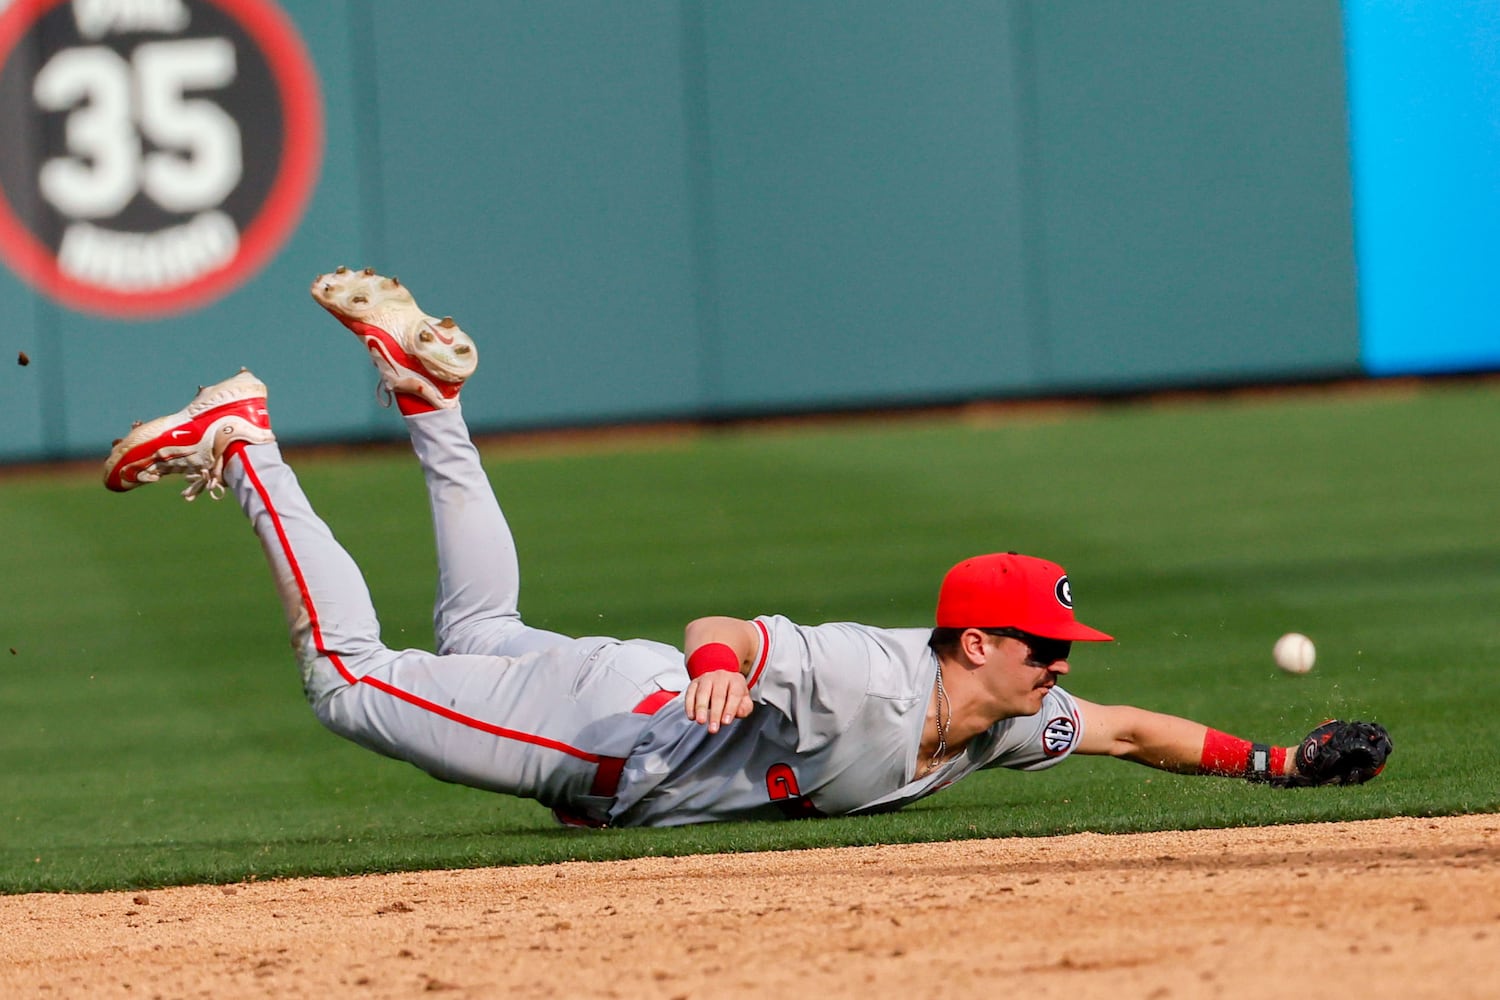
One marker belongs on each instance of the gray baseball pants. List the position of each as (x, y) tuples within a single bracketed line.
[(501, 705)]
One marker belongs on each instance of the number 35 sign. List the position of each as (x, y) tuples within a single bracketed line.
[(154, 154)]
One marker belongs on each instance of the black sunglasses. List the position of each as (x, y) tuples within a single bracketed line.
[(1043, 652)]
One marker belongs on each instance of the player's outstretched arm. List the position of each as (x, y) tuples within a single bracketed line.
[(1335, 753), (720, 653), (1169, 742)]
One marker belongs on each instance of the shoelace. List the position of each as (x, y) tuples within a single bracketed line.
[(201, 480)]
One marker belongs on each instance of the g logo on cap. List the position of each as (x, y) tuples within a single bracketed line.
[(1064, 592)]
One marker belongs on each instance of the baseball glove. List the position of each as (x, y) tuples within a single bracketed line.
[(1341, 753)]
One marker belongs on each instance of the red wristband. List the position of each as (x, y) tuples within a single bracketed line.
[(1224, 754), (1237, 758), (710, 657)]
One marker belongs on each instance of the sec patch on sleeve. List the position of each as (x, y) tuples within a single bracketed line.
[(1059, 735)]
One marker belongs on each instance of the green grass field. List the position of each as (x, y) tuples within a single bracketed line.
[(155, 731)]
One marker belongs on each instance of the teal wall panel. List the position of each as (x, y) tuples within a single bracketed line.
[(1192, 176), (26, 393), (867, 215), (534, 187)]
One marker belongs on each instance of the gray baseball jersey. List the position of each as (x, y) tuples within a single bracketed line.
[(594, 727), (836, 731)]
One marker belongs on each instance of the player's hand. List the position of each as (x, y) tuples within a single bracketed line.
[(718, 698)]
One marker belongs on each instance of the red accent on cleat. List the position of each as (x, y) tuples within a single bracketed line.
[(422, 361), (388, 348), (195, 441)]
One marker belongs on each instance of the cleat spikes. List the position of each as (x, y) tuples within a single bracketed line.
[(422, 360)]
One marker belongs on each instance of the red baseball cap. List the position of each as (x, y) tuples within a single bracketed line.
[(1006, 590)]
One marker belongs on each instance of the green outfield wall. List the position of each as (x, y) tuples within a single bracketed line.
[(659, 209)]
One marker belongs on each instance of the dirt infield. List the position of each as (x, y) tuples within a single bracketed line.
[(1393, 908)]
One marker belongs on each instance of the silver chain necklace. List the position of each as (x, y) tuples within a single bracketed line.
[(942, 727)]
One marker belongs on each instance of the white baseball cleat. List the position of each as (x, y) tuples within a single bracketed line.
[(194, 440), (418, 357)]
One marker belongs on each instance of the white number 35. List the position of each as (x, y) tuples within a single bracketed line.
[(114, 102)]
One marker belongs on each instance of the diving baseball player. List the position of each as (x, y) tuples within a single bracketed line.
[(760, 718)]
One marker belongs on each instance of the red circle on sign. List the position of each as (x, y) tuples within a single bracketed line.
[(302, 128)]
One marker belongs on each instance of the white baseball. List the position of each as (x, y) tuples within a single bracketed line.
[(1295, 653)]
